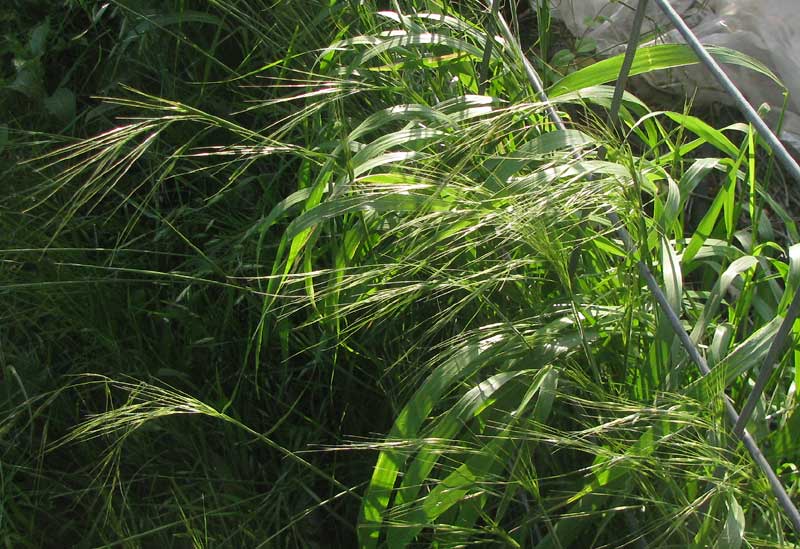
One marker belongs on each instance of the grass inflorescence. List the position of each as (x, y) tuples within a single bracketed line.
[(305, 274)]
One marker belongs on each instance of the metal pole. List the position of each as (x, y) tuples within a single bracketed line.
[(791, 166), (733, 417), (627, 63), (749, 112), (773, 357), (530, 72)]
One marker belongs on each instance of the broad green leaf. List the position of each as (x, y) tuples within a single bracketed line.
[(751, 180), (405, 181), (718, 350), (609, 246), (713, 248), (718, 292), (463, 363), (401, 39), (467, 478), (439, 19), (386, 203), (668, 214), (549, 342), (400, 158), (29, 79), (562, 58), (470, 405), (279, 210), (454, 105), (673, 279), (731, 208), (747, 355), (37, 45), (61, 104), (585, 45), (708, 133), (601, 95), (695, 174), (452, 20), (395, 139), (704, 229), (732, 533), (650, 59), (400, 112), (547, 396), (569, 140), (792, 280), (451, 61)]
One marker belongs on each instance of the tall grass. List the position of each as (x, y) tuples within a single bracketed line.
[(329, 276)]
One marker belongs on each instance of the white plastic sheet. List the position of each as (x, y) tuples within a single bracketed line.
[(768, 30)]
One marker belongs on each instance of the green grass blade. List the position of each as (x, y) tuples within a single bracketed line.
[(748, 355), (466, 478), (464, 362), (648, 59)]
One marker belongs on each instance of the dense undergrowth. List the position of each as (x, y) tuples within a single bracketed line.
[(313, 274)]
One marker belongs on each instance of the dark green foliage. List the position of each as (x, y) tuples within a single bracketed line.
[(249, 249)]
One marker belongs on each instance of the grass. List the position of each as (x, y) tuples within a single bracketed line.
[(321, 275)]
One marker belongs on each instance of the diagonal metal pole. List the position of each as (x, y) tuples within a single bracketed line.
[(772, 360), (789, 163), (530, 72), (487, 53), (792, 167), (627, 62), (694, 354)]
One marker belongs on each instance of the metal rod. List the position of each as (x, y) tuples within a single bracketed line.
[(749, 112), (791, 166), (530, 72), (661, 298), (627, 63), (733, 417), (774, 482), (772, 360), (487, 53)]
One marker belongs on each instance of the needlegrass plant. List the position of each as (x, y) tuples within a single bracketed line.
[(306, 274)]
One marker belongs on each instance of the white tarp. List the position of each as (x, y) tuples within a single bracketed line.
[(768, 30)]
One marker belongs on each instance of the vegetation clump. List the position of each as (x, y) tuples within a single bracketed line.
[(326, 274)]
